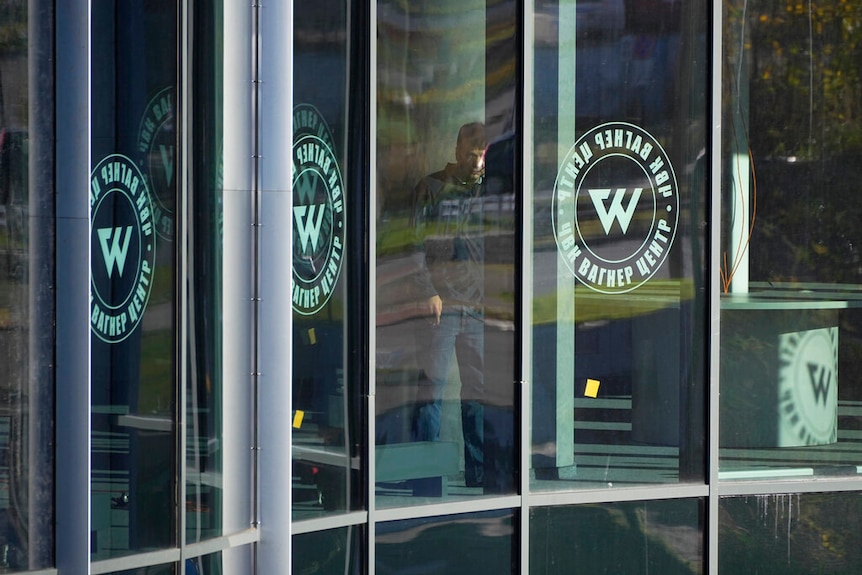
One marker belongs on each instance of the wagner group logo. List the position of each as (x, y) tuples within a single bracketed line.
[(122, 248), (615, 208), (808, 387), (318, 218), (156, 145)]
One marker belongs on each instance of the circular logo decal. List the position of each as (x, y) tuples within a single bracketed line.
[(308, 121), (156, 144), (615, 208), (318, 223), (808, 387), (122, 248)]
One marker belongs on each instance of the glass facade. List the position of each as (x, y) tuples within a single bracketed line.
[(403, 286), (27, 248), (133, 277), (617, 251), (445, 272), (790, 264)]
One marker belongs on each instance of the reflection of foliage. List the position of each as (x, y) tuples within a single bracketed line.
[(794, 99), (791, 534), (13, 25), (806, 78), (659, 537)]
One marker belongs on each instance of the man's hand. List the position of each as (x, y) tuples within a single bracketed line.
[(435, 308)]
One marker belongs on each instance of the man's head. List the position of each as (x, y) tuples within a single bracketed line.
[(470, 152)]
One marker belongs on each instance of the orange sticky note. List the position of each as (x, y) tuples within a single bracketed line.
[(297, 418), (592, 389)]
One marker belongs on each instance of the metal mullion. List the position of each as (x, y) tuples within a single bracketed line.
[(372, 287), (714, 303), (183, 234), (526, 317)]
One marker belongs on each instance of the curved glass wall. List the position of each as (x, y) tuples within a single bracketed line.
[(26, 302), (791, 385), (133, 264), (617, 247), (445, 243)]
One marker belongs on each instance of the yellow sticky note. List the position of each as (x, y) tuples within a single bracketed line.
[(297, 418), (592, 389), (309, 337)]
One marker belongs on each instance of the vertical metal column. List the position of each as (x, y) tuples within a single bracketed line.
[(41, 241), (72, 257), (238, 286), (714, 290), (275, 268)]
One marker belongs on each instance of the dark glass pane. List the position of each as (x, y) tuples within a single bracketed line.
[(791, 311), (26, 280), (203, 449), (475, 544), (611, 538), (325, 458), (445, 269), (334, 552), (618, 208), (206, 565), (792, 534), (153, 570), (133, 264)]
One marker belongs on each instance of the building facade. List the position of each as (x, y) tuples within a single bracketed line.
[(485, 287)]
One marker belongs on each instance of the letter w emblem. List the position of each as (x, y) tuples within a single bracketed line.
[(117, 250), (616, 210), (307, 226), (820, 379)]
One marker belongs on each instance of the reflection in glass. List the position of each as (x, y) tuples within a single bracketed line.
[(618, 212), (204, 385), (154, 570), (639, 537), (475, 544), (445, 270), (26, 302), (325, 461), (790, 307), (790, 534), (205, 565), (133, 185), (334, 552)]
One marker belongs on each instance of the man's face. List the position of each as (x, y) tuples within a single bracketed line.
[(470, 158)]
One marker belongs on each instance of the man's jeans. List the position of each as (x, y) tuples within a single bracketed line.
[(460, 333)]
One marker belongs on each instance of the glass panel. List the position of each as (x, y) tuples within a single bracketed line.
[(206, 565), (638, 537), (445, 269), (132, 190), (26, 303), (152, 570), (334, 552), (618, 212), (325, 460), (204, 387), (475, 544), (791, 385), (790, 534)]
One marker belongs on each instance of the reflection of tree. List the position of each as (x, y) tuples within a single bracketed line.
[(805, 76), (791, 534), (793, 95)]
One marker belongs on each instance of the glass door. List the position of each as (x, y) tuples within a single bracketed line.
[(617, 207), (447, 205)]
